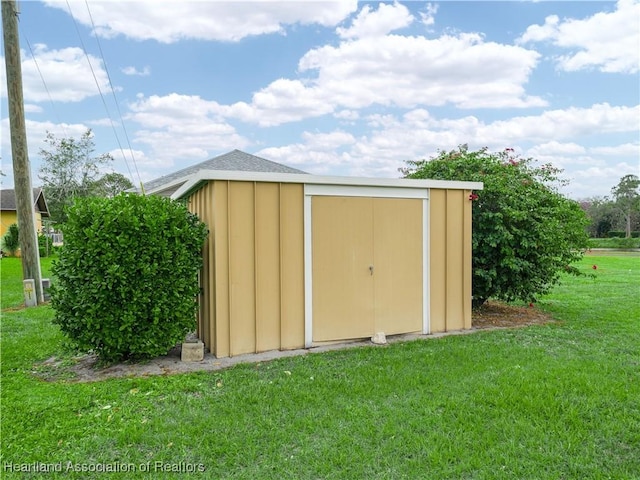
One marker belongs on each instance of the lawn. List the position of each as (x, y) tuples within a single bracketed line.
[(555, 401)]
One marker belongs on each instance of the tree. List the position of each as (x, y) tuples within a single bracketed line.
[(525, 233), (11, 239), (602, 215), (127, 275), (627, 199), (110, 185), (69, 170)]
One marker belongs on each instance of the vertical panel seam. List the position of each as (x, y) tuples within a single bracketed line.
[(229, 285), (280, 266), (426, 265), (446, 260), (255, 271)]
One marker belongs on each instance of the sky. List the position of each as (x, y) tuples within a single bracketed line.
[(334, 87)]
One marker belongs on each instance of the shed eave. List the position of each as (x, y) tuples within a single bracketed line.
[(193, 182)]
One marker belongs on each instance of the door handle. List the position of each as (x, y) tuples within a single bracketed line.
[(371, 269)]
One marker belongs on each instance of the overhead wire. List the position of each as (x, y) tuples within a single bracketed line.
[(113, 92), (104, 102), (44, 83)]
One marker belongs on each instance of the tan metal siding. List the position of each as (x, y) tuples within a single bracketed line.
[(291, 266), (437, 260), (267, 266), (467, 260), (201, 206), (242, 299), (450, 260), (454, 255), (253, 277), (221, 272)]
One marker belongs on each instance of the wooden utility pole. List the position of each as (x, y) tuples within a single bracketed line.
[(21, 166)]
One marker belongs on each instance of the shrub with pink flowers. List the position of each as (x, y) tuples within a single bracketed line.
[(525, 232)]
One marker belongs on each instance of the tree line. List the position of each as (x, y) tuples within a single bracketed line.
[(617, 215)]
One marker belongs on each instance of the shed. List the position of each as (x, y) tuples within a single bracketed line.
[(296, 260)]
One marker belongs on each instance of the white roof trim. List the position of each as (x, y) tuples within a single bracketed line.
[(192, 181)]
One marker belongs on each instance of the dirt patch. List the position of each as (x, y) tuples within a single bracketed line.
[(497, 314), (86, 368)]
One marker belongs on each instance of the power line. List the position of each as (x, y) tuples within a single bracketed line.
[(46, 88), (95, 78), (113, 92)]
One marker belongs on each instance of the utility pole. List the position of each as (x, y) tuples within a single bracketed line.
[(21, 167)]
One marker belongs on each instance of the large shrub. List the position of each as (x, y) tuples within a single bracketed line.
[(126, 278), (525, 233), (11, 239)]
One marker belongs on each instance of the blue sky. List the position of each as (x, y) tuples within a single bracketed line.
[(337, 88)]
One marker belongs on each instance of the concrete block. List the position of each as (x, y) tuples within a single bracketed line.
[(46, 286), (379, 338), (30, 298), (192, 351)]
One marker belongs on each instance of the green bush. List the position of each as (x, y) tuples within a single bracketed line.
[(615, 234), (45, 245), (525, 233), (11, 240), (614, 243), (127, 275)]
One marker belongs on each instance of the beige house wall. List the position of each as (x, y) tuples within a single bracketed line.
[(9, 217)]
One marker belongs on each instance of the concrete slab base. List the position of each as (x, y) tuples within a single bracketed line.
[(192, 351)]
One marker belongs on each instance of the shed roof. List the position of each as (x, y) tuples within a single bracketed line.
[(8, 201), (235, 160), (188, 185)]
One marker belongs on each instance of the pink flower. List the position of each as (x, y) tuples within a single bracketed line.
[(530, 304), (473, 197), (595, 267)]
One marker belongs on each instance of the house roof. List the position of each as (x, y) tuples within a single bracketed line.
[(8, 201), (235, 160)]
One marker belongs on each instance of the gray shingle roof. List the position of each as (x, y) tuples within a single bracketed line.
[(234, 161), (8, 201)]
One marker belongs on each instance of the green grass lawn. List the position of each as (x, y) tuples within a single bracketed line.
[(11, 293), (557, 401)]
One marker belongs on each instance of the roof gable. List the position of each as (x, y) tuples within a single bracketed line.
[(235, 160), (8, 201)]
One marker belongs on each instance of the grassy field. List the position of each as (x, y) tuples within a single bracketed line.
[(557, 401)]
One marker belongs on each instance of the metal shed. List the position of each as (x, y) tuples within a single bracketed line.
[(296, 260)]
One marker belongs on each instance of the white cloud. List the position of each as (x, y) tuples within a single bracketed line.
[(67, 74), (349, 115), (31, 108), (556, 148), (626, 149), (36, 134), (377, 23), (182, 127), (428, 16), (394, 70), (607, 41), (169, 22), (281, 102), (146, 71), (552, 136)]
